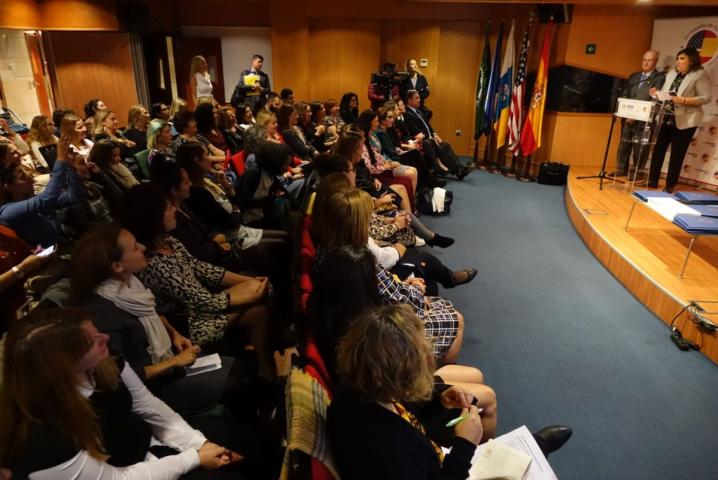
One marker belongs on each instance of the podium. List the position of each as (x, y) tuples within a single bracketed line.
[(650, 114)]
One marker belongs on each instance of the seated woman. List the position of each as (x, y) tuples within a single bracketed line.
[(232, 133), (261, 196), (245, 117), (402, 260), (205, 199), (104, 263), (215, 299), (42, 134), (74, 132), (108, 127), (332, 121), (106, 155), (34, 217), (349, 108), (316, 131), (407, 154), (344, 220), (293, 136), (388, 171), (186, 126), (136, 131), (159, 140), (160, 111), (68, 410), (91, 109), (388, 402), (207, 126)]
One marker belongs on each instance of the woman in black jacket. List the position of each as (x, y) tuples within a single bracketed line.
[(287, 121), (381, 419), (349, 108)]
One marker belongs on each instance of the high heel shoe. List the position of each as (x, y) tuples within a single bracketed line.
[(440, 241), (470, 275)]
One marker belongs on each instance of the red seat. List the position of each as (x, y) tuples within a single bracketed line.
[(237, 160)]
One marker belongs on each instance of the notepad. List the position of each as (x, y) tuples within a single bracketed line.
[(204, 364), (668, 208), (497, 460)]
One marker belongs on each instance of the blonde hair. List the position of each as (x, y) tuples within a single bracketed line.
[(341, 218), (178, 105), (100, 118), (37, 131), (263, 117), (386, 357), (68, 135), (134, 114), (194, 64)]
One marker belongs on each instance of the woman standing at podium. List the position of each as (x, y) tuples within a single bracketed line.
[(693, 90)]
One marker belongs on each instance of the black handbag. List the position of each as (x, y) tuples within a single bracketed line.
[(552, 173), (424, 202)]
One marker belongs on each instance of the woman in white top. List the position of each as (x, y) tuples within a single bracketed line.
[(69, 411), (199, 79), (41, 135), (73, 128)]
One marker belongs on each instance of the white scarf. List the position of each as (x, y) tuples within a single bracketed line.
[(133, 297)]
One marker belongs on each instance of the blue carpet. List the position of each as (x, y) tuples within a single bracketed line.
[(562, 341)]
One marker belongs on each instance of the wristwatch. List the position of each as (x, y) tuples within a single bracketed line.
[(18, 273)]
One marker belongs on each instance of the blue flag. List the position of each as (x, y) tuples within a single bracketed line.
[(482, 87), (490, 106)]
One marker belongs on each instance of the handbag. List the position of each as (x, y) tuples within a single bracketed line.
[(426, 205), (552, 173)]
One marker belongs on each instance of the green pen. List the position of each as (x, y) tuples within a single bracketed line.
[(460, 419)]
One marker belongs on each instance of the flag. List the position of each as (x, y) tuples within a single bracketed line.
[(517, 96), (531, 132), (504, 92), (482, 86), (489, 107)]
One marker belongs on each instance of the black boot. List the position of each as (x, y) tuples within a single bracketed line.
[(440, 241), (552, 438)]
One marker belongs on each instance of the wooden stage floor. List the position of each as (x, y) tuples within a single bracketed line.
[(647, 258)]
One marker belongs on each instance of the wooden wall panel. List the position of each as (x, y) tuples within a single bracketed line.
[(103, 71), (59, 14), (453, 92), (405, 39), (290, 47), (226, 13), (20, 14), (344, 53), (610, 31)]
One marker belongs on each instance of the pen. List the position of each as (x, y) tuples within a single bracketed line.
[(458, 420)]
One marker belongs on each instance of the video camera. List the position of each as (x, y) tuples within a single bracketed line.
[(387, 79)]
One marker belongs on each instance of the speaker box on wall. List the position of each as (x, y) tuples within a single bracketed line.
[(561, 12)]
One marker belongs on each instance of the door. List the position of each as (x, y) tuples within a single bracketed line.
[(39, 72), (187, 48), (16, 76)]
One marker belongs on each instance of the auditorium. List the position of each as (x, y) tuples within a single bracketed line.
[(397, 239)]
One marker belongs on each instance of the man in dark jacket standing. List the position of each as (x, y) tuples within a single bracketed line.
[(253, 86), (637, 87)]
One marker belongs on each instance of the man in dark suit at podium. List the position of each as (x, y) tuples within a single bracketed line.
[(637, 87), (437, 152)]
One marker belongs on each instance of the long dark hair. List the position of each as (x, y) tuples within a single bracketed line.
[(92, 260), (344, 285), (364, 123), (41, 383), (204, 116), (143, 214), (189, 156), (101, 153), (347, 113)]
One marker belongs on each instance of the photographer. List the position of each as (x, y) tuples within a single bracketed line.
[(384, 85)]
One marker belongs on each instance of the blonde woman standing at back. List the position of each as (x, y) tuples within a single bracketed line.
[(199, 80)]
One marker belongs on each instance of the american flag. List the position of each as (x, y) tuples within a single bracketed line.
[(517, 95)]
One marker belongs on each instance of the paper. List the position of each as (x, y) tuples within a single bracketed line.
[(664, 96), (204, 364), (523, 442), (497, 460), (251, 79), (668, 208)]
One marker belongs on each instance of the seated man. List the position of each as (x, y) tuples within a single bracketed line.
[(437, 152)]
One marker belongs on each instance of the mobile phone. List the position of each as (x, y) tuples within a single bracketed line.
[(48, 251), (673, 93)]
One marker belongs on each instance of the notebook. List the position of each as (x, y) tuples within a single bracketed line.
[(698, 197), (644, 195), (204, 364)]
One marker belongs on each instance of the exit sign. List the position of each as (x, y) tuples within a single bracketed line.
[(590, 49)]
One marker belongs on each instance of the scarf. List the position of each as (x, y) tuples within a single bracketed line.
[(134, 298), (124, 176)]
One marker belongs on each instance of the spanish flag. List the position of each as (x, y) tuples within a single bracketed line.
[(505, 85), (531, 132)]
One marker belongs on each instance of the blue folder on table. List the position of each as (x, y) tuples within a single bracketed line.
[(706, 210), (700, 198), (644, 195), (698, 225)]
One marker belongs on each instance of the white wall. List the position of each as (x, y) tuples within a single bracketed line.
[(238, 46), (16, 75)]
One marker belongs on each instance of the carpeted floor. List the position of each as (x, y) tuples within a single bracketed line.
[(562, 341)]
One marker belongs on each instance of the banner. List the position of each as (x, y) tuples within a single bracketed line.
[(490, 107), (482, 87), (517, 96), (700, 166)]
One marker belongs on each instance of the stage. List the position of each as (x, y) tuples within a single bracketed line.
[(648, 257)]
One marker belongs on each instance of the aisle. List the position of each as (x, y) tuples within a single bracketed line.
[(561, 341)]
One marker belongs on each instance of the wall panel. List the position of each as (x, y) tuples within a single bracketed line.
[(344, 53), (103, 71)]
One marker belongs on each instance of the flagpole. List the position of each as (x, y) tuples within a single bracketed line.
[(526, 175)]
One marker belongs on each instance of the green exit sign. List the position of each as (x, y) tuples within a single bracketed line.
[(590, 49)]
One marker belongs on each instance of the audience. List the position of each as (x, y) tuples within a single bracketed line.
[(42, 134), (230, 130), (105, 154), (91, 109), (159, 140), (108, 127), (136, 131), (73, 131), (349, 108)]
